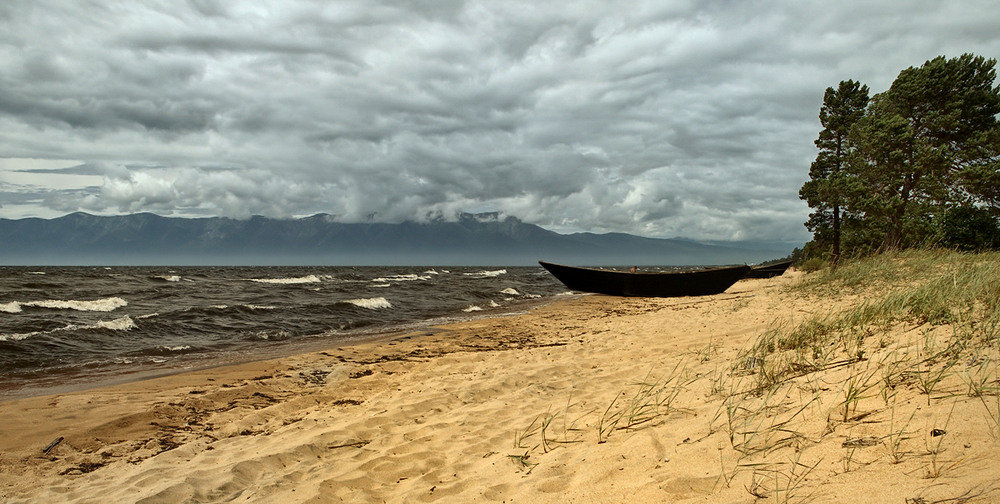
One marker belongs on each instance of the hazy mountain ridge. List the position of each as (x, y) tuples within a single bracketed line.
[(475, 239)]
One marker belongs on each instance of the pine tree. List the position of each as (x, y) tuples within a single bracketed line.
[(824, 191), (928, 143)]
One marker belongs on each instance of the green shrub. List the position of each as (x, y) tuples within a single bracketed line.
[(813, 264)]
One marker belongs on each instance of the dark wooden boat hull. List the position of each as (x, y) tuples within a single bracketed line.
[(619, 283), (769, 270)]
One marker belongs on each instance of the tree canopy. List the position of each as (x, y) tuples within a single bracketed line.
[(896, 164)]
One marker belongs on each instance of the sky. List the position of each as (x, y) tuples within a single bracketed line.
[(659, 118)]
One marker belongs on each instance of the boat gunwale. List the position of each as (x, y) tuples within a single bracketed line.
[(651, 273)]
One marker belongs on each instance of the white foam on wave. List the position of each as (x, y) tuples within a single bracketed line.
[(487, 273), (11, 307), (566, 293), (408, 277), (382, 285), (119, 324), (511, 291), (177, 348), (494, 304), (293, 280), (430, 272), (472, 308), (169, 278), (376, 303), (101, 305), (36, 272), (260, 307)]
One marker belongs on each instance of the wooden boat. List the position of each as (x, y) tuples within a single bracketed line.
[(619, 283), (769, 270)]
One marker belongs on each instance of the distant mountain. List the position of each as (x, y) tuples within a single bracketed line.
[(474, 239)]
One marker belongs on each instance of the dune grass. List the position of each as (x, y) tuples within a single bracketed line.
[(925, 323)]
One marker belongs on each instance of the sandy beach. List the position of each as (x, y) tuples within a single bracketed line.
[(587, 400)]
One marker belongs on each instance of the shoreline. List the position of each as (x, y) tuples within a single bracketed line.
[(594, 399), (305, 345)]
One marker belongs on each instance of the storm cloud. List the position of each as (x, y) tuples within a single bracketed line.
[(662, 119)]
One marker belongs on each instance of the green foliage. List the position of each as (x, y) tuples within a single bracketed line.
[(813, 264), (970, 228), (929, 144), (842, 107)]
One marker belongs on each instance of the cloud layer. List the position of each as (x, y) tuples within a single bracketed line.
[(664, 119)]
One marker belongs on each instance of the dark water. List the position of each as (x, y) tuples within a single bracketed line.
[(62, 325)]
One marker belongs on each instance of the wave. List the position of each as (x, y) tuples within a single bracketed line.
[(101, 305), (244, 306), (376, 303), (36, 272), (119, 324), (293, 280), (409, 277), (472, 308), (11, 307), (167, 278), (511, 291), (382, 285), (431, 272), (177, 348), (486, 273)]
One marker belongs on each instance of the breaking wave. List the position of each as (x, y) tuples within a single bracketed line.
[(101, 305), (119, 324), (376, 303), (472, 308), (409, 277), (486, 273), (294, 280)]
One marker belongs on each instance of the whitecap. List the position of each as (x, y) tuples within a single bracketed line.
[(375, 303), (472, 308), (260, 307), (566, 293), (169, 278), (511, 291), (102, 305), (382, 285), (494, 304), (294, 280), (11, 307), (430, 272), (119, 324), (36, 272), (487, 273), (177, 348), (409, 277)]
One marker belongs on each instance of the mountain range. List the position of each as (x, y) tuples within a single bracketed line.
[(473, 239)]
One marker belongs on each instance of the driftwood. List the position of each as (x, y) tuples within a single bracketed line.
[(52, 444)]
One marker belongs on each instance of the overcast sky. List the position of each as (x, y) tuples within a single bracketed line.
[(659, 118)]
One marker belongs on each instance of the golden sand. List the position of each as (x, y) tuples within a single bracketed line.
[(546, 406)]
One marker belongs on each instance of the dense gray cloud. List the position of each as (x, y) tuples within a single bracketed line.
[(663, 119)]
